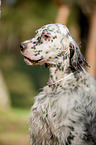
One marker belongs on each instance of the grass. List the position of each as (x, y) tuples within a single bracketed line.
[(14, 127)]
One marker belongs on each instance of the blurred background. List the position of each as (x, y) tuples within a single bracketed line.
[(19, 83)]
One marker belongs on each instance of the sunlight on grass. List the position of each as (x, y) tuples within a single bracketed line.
[(14, 127)]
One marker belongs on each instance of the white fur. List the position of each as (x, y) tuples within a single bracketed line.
[(64, 113)]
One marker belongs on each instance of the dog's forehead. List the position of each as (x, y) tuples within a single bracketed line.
[(55, 28)]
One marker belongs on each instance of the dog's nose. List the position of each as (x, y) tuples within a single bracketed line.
[(22, 46)]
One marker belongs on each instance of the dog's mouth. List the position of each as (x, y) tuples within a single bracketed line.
[(32, 62)]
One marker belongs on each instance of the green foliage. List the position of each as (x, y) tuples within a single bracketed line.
[(26, 17), (22, 81), (18, 23)]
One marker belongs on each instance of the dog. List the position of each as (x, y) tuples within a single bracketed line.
[(64, 113)]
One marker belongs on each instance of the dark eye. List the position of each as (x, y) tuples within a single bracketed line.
[(46, 36)]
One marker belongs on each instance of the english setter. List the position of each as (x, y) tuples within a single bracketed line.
[(64, 113)]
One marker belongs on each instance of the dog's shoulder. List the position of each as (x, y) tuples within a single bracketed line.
[(89, 84)]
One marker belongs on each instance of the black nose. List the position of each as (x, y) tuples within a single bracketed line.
[(22, 46)]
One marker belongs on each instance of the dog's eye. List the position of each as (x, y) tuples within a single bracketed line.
[(46, 36)]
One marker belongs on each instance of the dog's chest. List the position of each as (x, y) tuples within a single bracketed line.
[(57, 105)]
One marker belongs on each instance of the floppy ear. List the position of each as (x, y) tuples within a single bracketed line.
[(76, 60)]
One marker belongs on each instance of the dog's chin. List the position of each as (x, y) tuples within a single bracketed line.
[(28, 61)]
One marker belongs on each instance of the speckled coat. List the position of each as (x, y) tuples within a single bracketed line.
[(64, 113)]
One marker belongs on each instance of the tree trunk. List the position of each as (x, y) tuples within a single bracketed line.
[(63, 14), (91, 50), (4, 94)]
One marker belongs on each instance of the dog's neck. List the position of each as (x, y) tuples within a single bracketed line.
[(59, 71)]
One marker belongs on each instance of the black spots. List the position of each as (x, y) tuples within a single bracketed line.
[(71, 45), (77, 76), (85, 138), (51, 137), (54, 65), (59, 55), (46, 52), (52, 40), (56, 77), (41, 42), (34, 109), (33, 48), (53, 86), (56, 70), (83, 81), (79, 60), (68, 34), (72, 121), (71, 54), (69, 139), (87, 85), (54, 114), (57, 48), (90, 127), (80, 118), (39, 39), (43, 27), (51, 76), (76, 88), (58, 85), (41, 57), (71, 59), (59, 66), (56, 57), (49, 85), (73, 85), (63, 88), (43, 33), (37, 42), (63, 58), (50, 57), (54, 37), (71, 128), (48, 33), (47, 65), (51, 30), (37, 52), (62, 68), (76, 48), (48, 39), (40, 51), (34, 42)]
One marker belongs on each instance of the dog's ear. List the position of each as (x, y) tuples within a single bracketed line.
[(76, 59)]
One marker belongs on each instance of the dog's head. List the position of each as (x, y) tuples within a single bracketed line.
[(49, 44)]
